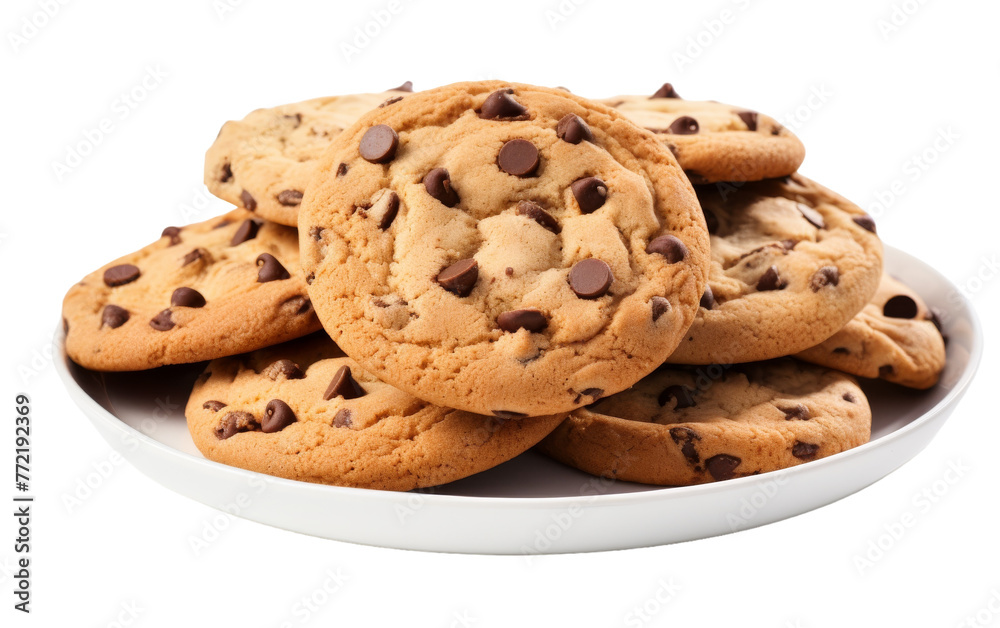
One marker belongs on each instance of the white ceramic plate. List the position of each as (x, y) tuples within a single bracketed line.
[(530, 504)]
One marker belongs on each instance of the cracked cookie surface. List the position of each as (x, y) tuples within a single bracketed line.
[(211, 289), (695, 425), (305, 411), (502, 248)]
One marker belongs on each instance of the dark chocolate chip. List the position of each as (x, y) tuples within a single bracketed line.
[(722, 466), (804, 451), (343, 385), (460, 277), (509, 271), (707, 298), (825, 276), (343, 418), (683, 395), (865, 222), (246, 231), (535, 212), (194, 256), (900, 306), (531, 319), (249, 202), (886, 370), (711, 220), (162, 321), (684, 125), (227, 173), (270, 269), (379, 144), (294, 118), (113, 316), (571, 128), (277, 416), (316, 233), (508, 414), (174, 233), (518, 157), (685, 437), (121, 275), (668, 246), (666, 91), (289, 369), (850, 398), (770, 280), (814, 217), (749, 118), (234, 423), (405, 87), (500, 105), (437, 182), (299, 304), (341, 169), (798, 412), (290, 198), (187, 297), (590, 193), (590, 278), (659, 306), (213, 405), (384, 209)]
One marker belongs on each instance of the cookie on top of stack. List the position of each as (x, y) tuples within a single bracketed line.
[(496, 265)]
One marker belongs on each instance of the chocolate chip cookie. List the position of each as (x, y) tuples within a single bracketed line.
[(896, 337), (713, 141), (304, 411), (792, 263), (695, 425), (215, 288), (264, 161), (503, 249)]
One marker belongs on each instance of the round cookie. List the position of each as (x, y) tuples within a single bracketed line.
[(215, 288), (503, 249), (896, 337), (689, 426), (265, 161), (792, 263), (304, 411), (714, 141)]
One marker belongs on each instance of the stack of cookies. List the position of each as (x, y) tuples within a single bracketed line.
[(416, 287)]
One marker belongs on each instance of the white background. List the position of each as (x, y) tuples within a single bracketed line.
[(865, 99)]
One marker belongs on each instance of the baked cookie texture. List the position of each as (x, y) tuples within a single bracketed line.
[(220, 287), (714, 141), (792, 263), (502, 248), (265, 161), (305, 411), (896, 337), (690, 426)]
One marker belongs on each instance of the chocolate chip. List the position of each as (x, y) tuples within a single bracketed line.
[(509, 271), (379, 144), (299, 304), (590, 278), (294, 118), (343, 385), (194, 256), (722, 466), (460, 277), (246, 231), (270, 269), (707, 298), (249, 202), (842, 351), (508, 414), (684, 125), (900, 306), (749, 118), (668, 246), (711, 220), (234, 423), (162, 321), (277, 416), (227, 173), (865, 222), (666, 91), (814, 217), (187, 297), (518, 157), (571, 128), (770, 280), (343, 418), (113, 316), (290, 198), (500, 105), (531, 319), (384, 208), (213, 405), (825, 276), (65, 325), (850, 398), (341, 169), (804, 451), (659, 306), (590, 193), (437, 182), (798, 412), (174, 233), (405, 87), (535, 212), (310, 278), (683, 395), (289, 369), (685, 437), (121, 275), (316, 233)]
